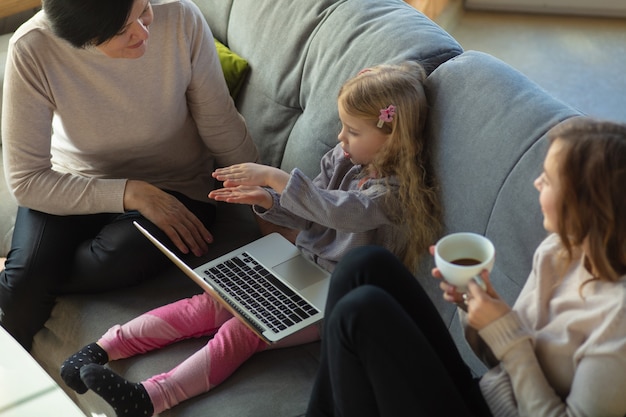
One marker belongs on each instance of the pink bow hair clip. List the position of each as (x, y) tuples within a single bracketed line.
[(386, 115)]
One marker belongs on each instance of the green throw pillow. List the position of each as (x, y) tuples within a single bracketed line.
[(234, 67)]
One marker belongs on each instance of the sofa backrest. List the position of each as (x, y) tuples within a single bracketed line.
[(488, 122), (300, 53)]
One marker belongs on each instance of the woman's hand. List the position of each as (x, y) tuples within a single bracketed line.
[(252, 174), (482, 306), (450, 294), (244, 194), (183, 228)]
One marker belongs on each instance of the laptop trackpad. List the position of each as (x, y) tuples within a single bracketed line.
[(299, 272)]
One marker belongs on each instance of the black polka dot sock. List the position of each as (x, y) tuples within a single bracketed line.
[(127, 399), (70, 370)]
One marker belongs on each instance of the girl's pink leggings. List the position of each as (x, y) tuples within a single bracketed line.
[(232, 344)]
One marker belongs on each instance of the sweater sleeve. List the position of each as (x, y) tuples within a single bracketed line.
[(343, 210), (278, 215), (512, 344), (220, 125), (478, 345), (473, 337), (333, 199), (26, 135), (594, 383)]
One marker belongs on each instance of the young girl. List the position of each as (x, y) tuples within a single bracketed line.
[(372, 189), (560, 351)]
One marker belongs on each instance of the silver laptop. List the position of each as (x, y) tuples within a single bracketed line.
[(267, 284)]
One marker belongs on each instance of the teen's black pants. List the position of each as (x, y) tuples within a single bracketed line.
[(385, 349)]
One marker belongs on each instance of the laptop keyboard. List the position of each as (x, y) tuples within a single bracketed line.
[(256, 288)]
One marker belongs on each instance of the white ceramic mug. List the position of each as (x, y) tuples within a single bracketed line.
[(462, 256)]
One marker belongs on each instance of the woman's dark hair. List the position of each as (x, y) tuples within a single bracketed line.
[(87, 22)]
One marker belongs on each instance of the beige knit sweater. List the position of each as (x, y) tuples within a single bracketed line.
[(559, 353), (77, 124)]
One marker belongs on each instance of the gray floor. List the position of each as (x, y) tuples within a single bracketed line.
[(579, 60)]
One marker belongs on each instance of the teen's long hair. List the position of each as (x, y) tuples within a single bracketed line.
[(404, 155), (592, 208)]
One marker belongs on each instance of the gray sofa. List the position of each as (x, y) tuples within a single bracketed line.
[(487, 123)]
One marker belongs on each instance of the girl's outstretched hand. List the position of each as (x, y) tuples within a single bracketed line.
[(252, 174), (244, 194), (242, 174)]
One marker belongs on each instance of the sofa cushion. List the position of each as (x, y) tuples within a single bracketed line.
[(289, 99), (490, 121)]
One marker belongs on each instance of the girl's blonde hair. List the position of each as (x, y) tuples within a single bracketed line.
[(592, 205), (405, 154)]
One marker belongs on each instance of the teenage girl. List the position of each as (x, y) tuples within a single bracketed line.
[(372, 189), (561, 349)]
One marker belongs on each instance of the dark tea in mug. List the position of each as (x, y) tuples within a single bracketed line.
[(466, 261)]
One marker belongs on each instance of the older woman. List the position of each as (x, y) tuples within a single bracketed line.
[(115, 111)]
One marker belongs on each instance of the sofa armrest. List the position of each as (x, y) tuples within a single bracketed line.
[(8, 212), (488, 123), (12, 14)]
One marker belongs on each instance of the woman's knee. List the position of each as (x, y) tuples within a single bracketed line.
[(364, 309), (118, 255), (41, 251)]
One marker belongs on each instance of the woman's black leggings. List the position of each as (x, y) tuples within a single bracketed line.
[(385, 349), (52, 255)]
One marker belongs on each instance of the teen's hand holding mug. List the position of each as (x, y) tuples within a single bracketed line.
[(463, 263)]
